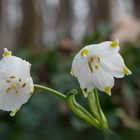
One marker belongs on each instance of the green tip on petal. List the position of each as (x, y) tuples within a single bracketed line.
[(126, 71), (6, 52), (71, 72), (84, 52), (114, 44), (107, 89), (33, 88), (13, 113)]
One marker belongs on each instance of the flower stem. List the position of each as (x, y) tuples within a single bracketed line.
[(98, 103), (104, 122), (91, 102), (79, 110), (50, 90)]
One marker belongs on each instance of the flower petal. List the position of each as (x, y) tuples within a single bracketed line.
[(110, 46), (23, 70), (103, 80), (3, 81), (84, 75), (12, 101), (115, 65), (10, 63), (14, 91), (77, 66)]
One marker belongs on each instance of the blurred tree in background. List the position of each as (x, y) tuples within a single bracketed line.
[(99, 13), (32, 25)]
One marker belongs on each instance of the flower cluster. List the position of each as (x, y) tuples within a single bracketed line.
[(96, 65), (16, 83)]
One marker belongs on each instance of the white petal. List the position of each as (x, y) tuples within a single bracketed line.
[(110, 46), (3, 77), (77, 65), (85, 81), (29, 86), (115, 64), (12, 101), (84, 77), (81, 61), (10, 63), (102, 48), (81, 71), (103, 79), (23, 70)]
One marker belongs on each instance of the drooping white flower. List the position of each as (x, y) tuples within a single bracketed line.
[(96, 65), (16, 84)]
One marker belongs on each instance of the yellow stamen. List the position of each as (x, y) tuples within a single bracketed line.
[(98, 59), (8, 81), (126, 70), (12, 77), (13, 85), (114, 44), (23, 85), (107, 89), (91, 58), (90, 64), (84, 52), (96, 66), (6, 53), (8, 89)]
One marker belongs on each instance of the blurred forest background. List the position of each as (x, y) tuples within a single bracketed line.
[(48, 33)]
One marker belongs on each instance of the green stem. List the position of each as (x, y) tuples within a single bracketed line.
[(104, 122), (98, 103), (91, 102), (79, 110), (50, 90)]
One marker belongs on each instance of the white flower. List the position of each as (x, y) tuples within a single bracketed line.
[(16, 84), (96, 65)]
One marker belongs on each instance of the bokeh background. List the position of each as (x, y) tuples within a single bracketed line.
[(48, 33)]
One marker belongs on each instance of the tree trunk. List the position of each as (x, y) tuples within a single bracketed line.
[(31, 28), (137, 8), (64, 19), (99, 12), (0, 10)]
